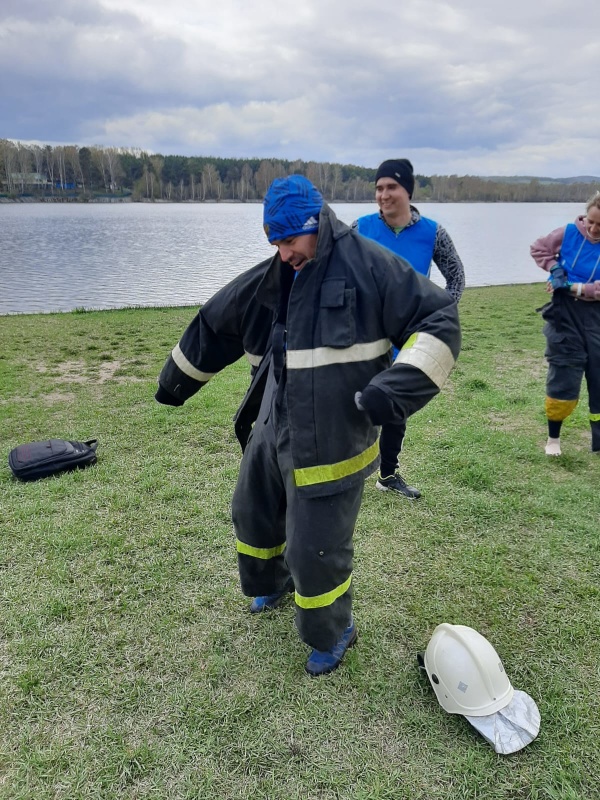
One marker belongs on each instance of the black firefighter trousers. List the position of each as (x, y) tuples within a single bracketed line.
[(280, 533), (572, 332)]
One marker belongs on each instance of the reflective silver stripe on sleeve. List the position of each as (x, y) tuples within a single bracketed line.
[(189, 369), (324, 356), (254, 360), (430, 355)]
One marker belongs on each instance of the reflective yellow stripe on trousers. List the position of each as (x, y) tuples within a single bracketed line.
[(265, 553), (308, 476), (322, 600)]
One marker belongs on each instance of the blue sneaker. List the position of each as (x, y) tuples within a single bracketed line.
[(268, 602), (322, 662)]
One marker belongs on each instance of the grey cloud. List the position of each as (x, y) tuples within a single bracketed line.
[(76, 12), (451, 84)]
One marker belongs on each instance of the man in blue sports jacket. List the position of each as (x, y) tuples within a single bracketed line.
[(400, 227)]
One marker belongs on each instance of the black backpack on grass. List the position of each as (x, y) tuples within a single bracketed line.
[(40, 459)]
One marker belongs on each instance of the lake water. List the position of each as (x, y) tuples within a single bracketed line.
[(58, 257)]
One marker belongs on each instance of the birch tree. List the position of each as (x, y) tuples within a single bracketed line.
[(59, 160), (245, 182), (156, 162), (8, 153), (98, 162), (113, 166), (211, 182), (37, 153), (336, 179), (74, 165), (24, 160), (266, 174)]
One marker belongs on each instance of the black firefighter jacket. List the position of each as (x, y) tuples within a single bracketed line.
[(345, 308)]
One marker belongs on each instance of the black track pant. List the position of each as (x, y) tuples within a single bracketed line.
[(280, 533), (390, 445)]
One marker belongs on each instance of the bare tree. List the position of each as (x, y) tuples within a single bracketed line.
[(336, 179), (73, 162), (98, 162), (211, 182), (298, 167), (24, 160), (320, 175), (353, 189), (113, 166), (156, 163), (324, 177), (245, 182), (38, 158), (266, 174), (49, 160), (8, 152), (60, 161)]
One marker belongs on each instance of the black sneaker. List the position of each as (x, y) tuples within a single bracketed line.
[(396, 483)]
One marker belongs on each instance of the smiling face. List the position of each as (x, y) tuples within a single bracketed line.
[(393, 200), (297, 250), (592, 223)]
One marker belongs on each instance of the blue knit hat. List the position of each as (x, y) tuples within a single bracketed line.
[(291, 208)]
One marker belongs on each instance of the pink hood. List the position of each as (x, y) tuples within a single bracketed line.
[(580, 224), (545, 250)]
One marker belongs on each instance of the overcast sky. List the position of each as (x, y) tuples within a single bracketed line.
[(467, 87)]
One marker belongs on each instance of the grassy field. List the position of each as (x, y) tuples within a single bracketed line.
[(130, 667)]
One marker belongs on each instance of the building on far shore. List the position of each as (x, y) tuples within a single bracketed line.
[(26, 180)]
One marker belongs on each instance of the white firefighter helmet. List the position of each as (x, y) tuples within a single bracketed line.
[(468, 678), (466, 672)]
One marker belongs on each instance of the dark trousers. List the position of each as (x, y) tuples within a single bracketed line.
[(390, 445), (572, 332), (280, 533)]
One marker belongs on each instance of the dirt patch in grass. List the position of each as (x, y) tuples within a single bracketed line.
[(503, 421), (55, 398), (80, 372), (534, 366)]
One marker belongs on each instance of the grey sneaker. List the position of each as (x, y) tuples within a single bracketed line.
[(396, 483)]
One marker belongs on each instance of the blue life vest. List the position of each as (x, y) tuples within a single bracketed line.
[(579, 257), (415, 243)]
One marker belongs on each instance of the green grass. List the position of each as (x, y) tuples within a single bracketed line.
[(129, 666)]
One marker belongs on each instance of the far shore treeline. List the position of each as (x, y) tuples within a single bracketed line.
[(31, 172)]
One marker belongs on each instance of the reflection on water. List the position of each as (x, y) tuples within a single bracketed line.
[(58, 257)]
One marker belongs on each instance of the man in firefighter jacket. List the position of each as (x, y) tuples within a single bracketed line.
[(316, 322)]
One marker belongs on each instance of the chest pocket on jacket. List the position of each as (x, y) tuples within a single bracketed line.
[(337, 312)]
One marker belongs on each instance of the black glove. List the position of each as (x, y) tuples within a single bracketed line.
[(377, 405), (166, 398)]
